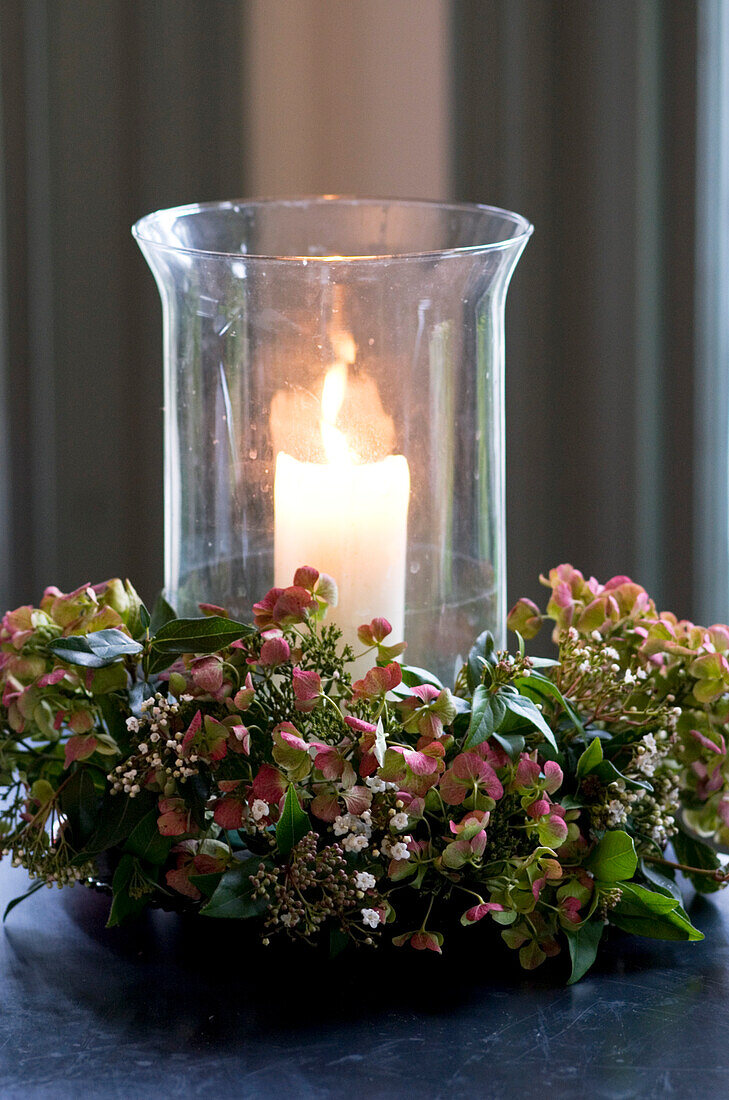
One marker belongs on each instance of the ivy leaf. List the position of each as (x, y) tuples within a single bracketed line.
[(145, 840), (233, 896), (583, 945), (96, 650), (162, 613), (32, 889), (591, 757), (522, 707), (292, 825), (614, 858), (204, 635), (692, 851)]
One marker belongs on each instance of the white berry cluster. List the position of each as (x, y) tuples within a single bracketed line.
[(159, 749)]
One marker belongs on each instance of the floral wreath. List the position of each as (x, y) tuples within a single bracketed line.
[(239, 772)]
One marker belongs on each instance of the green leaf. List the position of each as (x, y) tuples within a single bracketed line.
[(414, 677), (204, 635), (96, 650), (118, 816), (338, 940), (162, 613), (660, 881), (568, 802), (145, 840), (233, 897), (123, 905), (649, 913), (614, 858), (481, 725), (154, 663), (480, 653), (651, 901), (32, 889), (197, 793), (512, 743), (694, 853), (144, 619), (115, 712), (583, 945), (653, 928), (542, 685), (522, 707), (79, 801), (590, 758), (592, 763), (206, 884), (607, 773), (137, 618), (292, 825)]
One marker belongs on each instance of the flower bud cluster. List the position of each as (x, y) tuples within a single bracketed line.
[(47, 860), (655, 815), (315, 886), (608, 900)]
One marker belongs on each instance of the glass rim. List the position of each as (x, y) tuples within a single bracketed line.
[(522, 224)]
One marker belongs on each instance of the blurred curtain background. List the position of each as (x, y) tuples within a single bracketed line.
[(605, 124)]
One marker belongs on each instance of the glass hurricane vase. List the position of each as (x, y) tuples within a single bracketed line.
[(334, 377)]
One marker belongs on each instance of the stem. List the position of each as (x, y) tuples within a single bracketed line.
[(364, 653), (425, 919), (716, 873), (471, 892), (327, 699)]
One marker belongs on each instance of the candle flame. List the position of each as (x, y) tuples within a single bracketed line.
[(335, 442), (343, 346)]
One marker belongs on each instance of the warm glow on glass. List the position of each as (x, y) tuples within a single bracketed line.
[(345, 516)]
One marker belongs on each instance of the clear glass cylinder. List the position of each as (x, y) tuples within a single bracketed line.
[(334, 396)]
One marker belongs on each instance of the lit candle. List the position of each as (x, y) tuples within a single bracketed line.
[(347, 518)]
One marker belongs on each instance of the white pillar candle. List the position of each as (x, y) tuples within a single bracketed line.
[(351, 522), (348, 519)]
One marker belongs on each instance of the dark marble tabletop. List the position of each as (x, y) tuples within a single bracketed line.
[(181, 1008)]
